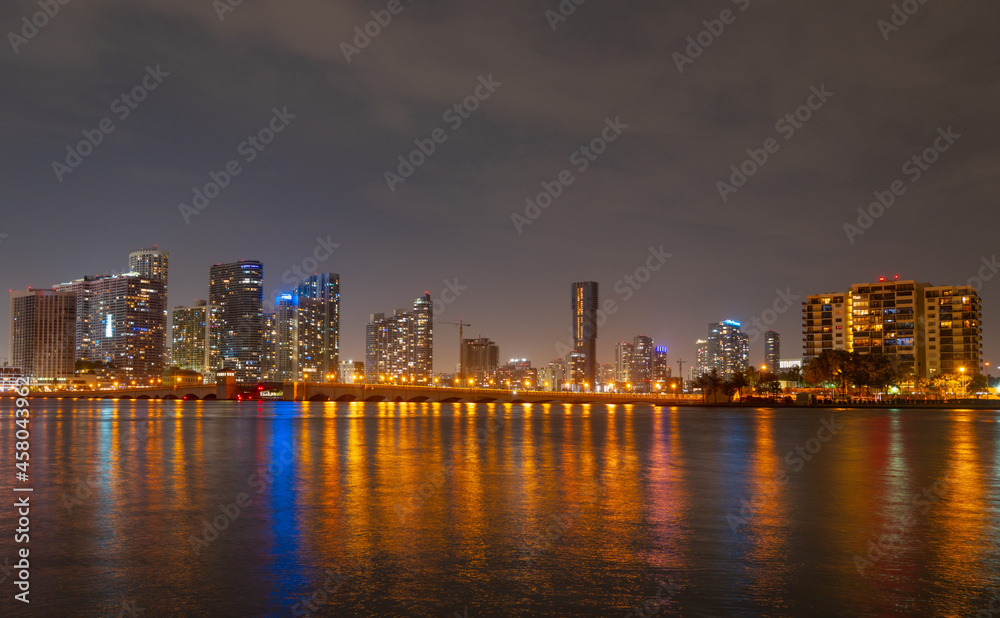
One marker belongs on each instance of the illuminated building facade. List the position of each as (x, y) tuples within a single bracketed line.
[(195, 338), (481, 359), (727, 348), (517, 374), (238, 290), (641, 364), (927, 330), (661, 365), (704, 364), (623, 363), (399, 347), (772, 351), (585, 303), (319, 344), (826, 324), (43, 334), (121, 324), (954, 330)]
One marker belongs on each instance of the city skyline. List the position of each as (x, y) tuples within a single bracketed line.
[(311, 285), (653, 187)]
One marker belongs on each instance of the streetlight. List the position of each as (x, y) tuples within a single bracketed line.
[(962, 370), (987, 380)]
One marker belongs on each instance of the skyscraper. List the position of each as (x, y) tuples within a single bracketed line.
[(43, 334), (585, 303), (623, 364), (704, 364), (238, 290), (661, 365), (641, 364), (194, 331), (150, 263), (399, 348), (772, 351), (727, 349), (324, 355), (481, 359), (121, 323)]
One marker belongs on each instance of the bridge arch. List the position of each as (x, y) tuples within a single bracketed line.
[(347, 398), (319, 397)]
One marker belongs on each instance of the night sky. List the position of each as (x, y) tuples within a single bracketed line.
[(887, 90)]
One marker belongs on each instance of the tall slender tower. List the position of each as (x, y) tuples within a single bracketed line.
[(585, 304)]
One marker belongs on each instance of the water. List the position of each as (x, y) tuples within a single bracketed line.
[(225, 509)]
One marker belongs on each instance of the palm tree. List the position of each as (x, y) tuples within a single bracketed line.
[(739, 381)]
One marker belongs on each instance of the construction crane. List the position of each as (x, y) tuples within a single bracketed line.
[(461, 362)]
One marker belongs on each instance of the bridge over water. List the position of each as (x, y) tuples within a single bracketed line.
[(300, 391)]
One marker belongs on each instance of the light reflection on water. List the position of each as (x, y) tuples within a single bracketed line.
[(534, 510)]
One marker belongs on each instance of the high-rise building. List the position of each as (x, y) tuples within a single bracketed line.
[(927, 330), (623, 363), (661, 366), (481, 359), (954, 331), (399, 348), (826, 324), (517, 374), (43, 334), (727, 349), (576, 371), (121, 323), (324, 356), (641, 364), (884, 319), (238, 290), (301, 335), (772, 351), (195, 337), (150, 263), (585, 303), (269, 353), (704, 364)]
